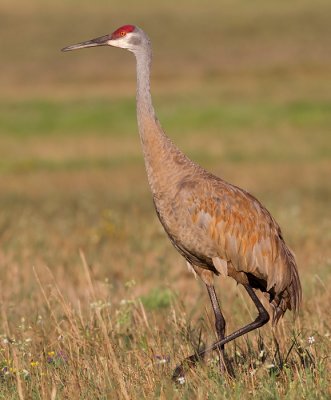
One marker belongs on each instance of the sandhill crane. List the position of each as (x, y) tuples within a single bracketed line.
[(217, 227)]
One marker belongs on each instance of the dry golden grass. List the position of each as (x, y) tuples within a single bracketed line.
[(95, 303), (141, 293)]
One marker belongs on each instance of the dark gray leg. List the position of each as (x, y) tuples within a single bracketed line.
[(261, 319), (219, 323)]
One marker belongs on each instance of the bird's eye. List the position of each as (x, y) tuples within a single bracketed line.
[(123, 33)]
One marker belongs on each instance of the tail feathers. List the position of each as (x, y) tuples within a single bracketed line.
[(290, 298)]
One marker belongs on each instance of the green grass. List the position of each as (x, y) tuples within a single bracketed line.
[(95, 302), (184, 116), (40, 117), (260, 128)]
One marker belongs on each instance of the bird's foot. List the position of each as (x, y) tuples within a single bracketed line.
[(178, 375)]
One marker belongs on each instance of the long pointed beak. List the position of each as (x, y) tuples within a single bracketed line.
[(100, 41)]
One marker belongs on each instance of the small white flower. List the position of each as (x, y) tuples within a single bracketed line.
[(100, 304), (181, 380), (162, 359), (5, 341), (25, 373), (311, 339)]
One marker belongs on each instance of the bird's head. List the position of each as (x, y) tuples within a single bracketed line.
[(128, 37)]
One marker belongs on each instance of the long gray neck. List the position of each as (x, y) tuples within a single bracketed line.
[(162, 157), (144, 99)]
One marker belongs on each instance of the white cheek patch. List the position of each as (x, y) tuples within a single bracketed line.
[(121, 42)]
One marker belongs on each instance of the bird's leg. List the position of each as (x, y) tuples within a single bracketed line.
[(219, 323), (261, 319)]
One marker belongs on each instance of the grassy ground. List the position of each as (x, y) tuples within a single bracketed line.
[(95, 303)]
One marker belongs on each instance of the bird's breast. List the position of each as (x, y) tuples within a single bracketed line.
[(188, 233)]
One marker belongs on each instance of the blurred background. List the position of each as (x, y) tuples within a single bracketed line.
[(242, 87)]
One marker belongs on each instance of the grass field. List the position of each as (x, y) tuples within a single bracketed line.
[(95, 303)]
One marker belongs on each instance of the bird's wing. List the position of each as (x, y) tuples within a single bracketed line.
[(241, 231)]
